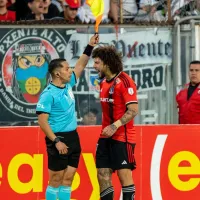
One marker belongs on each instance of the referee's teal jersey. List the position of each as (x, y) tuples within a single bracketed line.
[(59, 103)]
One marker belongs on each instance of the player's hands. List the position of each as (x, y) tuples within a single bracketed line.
[(108, 131), (61, 147), (94, 40)]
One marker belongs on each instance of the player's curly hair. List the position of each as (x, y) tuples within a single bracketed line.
[(110, 57)]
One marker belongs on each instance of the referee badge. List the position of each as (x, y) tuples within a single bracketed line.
[(130, 91)]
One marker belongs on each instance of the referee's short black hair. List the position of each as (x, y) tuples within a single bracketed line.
[(56, 63), (195, 62)]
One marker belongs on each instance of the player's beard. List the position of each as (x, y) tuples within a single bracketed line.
[(101, 75)]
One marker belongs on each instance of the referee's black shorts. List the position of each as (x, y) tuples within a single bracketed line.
[(115, 154), (56, 161)]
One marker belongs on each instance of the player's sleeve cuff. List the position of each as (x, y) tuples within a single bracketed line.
[(40, 112), (131, 102)]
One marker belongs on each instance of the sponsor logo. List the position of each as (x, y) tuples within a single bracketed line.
[(124, 162), (40, 105), (107, 100)]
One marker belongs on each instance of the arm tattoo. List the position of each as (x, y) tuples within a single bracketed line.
[(129, 115), (113, 127), (104, 178)]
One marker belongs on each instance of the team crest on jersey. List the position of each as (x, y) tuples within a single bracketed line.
[(118, 80), (130, 91), (111, 91)]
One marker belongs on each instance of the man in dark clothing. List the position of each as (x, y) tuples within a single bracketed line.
[(41, 9), (188, 99), (70, 11), (50, 10), (37, 10)]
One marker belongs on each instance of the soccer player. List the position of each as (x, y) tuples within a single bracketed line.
[(57, 119), (115, 148)]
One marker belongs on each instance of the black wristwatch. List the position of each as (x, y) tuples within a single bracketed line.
[(56, 140)]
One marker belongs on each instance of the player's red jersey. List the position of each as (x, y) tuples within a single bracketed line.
[(115, 95)]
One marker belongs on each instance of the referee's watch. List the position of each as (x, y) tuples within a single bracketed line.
[(56, 140)]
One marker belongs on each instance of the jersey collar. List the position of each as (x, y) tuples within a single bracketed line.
[(58, 86), (108, 81)]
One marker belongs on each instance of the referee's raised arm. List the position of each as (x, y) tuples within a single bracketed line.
[(83, 60)]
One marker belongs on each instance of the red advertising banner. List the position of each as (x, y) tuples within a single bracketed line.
[(168, 165)]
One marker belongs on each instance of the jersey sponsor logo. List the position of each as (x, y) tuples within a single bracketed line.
[(130, 91), (107, 100), (39, 105), (25, 55)]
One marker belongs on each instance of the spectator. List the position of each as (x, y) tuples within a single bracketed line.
[(11, 5), (183, 8), (148, 11), (85, 14), (70, 11), (90, 112), (58, 4), (50, 10), (129, 10), (89, 116), (5, 14), (188, 99), (10, 2), (22, 9), (176, 7), (198, 5), (37, 10)]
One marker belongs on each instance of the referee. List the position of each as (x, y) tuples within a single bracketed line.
[(57, 119)]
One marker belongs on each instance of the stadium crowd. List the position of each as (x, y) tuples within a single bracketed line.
[(77, 11)]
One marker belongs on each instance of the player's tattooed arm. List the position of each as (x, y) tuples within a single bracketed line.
[(104, 178), (132, 111), (129, 114)]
